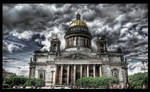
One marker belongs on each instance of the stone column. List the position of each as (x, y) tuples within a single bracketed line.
[(72, 42), (105, 49), (55, 76), (76, 41), (74, 74), (61, 75), (68, 69), (87, 70), (65, 43), (88, 43), (30, 72), (81, 71), (68, 42), (98, 47), (94, 72), (85, 42), (100, 70), (80, 41)]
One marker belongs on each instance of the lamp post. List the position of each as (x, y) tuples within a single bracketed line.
[(126, 68), (52, 77)]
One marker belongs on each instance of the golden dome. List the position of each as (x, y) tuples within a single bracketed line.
[(78, 22)]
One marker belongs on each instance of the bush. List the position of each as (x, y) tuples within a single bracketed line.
[(28, 83), (39, 83), (104, 81), (98, 82), (6, 86), (14, 80), (138, 80)]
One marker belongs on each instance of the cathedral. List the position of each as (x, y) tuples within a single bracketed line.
[(77, 60)]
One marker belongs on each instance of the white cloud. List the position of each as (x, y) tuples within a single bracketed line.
[(137, 67), (24, 35)]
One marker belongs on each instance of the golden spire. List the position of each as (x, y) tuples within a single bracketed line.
[(100, 38), (78, 16), (56, 37)]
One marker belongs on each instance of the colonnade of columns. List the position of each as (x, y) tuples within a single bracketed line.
[(78, 41), (70, 73)]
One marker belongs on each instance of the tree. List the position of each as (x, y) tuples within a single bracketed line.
[(14, 80), (10, 80), (138, 80), (105, 81), (98, 82)]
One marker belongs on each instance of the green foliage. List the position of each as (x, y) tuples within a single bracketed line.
[(29, 82), (6, 86), (14, 80), (138, 80), (98, 82), (39, 83)]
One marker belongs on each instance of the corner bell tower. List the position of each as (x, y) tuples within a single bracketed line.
[(55, 46), (101, 45)]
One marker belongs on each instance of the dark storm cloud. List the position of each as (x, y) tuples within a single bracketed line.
[(109, 20)]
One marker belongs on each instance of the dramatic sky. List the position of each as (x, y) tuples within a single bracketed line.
[(27, 27)]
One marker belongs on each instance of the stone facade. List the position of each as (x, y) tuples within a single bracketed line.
[(77, 60)]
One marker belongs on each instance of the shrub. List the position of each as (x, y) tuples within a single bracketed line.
[(98, 82), (6, 86), (138, 80)]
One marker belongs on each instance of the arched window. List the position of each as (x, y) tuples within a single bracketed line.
[(77, 28), (82, 28), (41, 75), (115, 73)]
